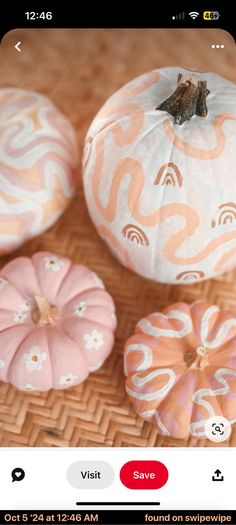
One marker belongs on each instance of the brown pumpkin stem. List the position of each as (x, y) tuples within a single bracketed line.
[(188, 99), (200, 360), (45, 314)]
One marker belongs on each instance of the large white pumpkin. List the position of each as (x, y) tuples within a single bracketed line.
[(159, 173)]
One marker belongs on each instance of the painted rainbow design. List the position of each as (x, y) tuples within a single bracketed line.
[(169, 175), (135, 234), (190, 275), (226, 214)]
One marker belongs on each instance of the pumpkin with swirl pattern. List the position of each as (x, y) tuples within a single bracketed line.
[(159, 174), (38, 165), (181, 368)]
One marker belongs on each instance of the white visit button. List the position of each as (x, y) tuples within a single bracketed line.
[(90, 475)]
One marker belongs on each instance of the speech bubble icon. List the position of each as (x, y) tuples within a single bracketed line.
[(17, 474)]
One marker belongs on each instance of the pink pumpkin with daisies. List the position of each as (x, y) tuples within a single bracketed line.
[(57, 322)]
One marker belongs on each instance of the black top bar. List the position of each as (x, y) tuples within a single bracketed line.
[(162, 15)]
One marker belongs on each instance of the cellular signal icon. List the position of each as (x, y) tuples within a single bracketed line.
[(180, 16), (194, 14)]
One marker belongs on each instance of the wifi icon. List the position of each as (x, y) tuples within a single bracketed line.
[(194, 14)]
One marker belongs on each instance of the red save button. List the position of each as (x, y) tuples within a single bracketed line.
[(144, 475)]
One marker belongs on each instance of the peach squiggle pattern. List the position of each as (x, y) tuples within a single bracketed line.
[(123, 137), (200, 153), (151, 78), (221, 263), (137, 180)]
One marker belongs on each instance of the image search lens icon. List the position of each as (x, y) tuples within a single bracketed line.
[(218, 429), (18, 474)]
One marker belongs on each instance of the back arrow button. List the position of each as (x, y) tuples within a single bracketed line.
[(17, 46)]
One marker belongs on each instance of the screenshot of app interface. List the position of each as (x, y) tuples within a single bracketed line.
[(117, 272)]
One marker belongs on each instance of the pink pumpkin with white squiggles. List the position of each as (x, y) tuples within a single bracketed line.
[(159, 174), (57, 322), (38, 165), (181, 368)]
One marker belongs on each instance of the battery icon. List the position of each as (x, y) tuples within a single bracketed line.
[(211, 15)]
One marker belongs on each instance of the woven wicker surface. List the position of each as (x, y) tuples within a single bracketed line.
[(79, 69)]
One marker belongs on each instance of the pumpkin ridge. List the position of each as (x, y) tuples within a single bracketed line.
[(47, 330), (180, 379), (4, 273), (60, 330), (87, 293), (35, 272), (44, 254), (161, 407), (88, 299), (223, 351), (64, 278), (42, 336), (212, 392), (78, 296), (16, 349), (82, 319), (85, 317)]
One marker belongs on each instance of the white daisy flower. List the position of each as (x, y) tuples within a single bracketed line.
[(3, 283), (28, 387), (25, 307), (2, 363), (53, 263), (68, 378), (94, 340), (80, 308), (34, 359), (20, 316), (98, 281)]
